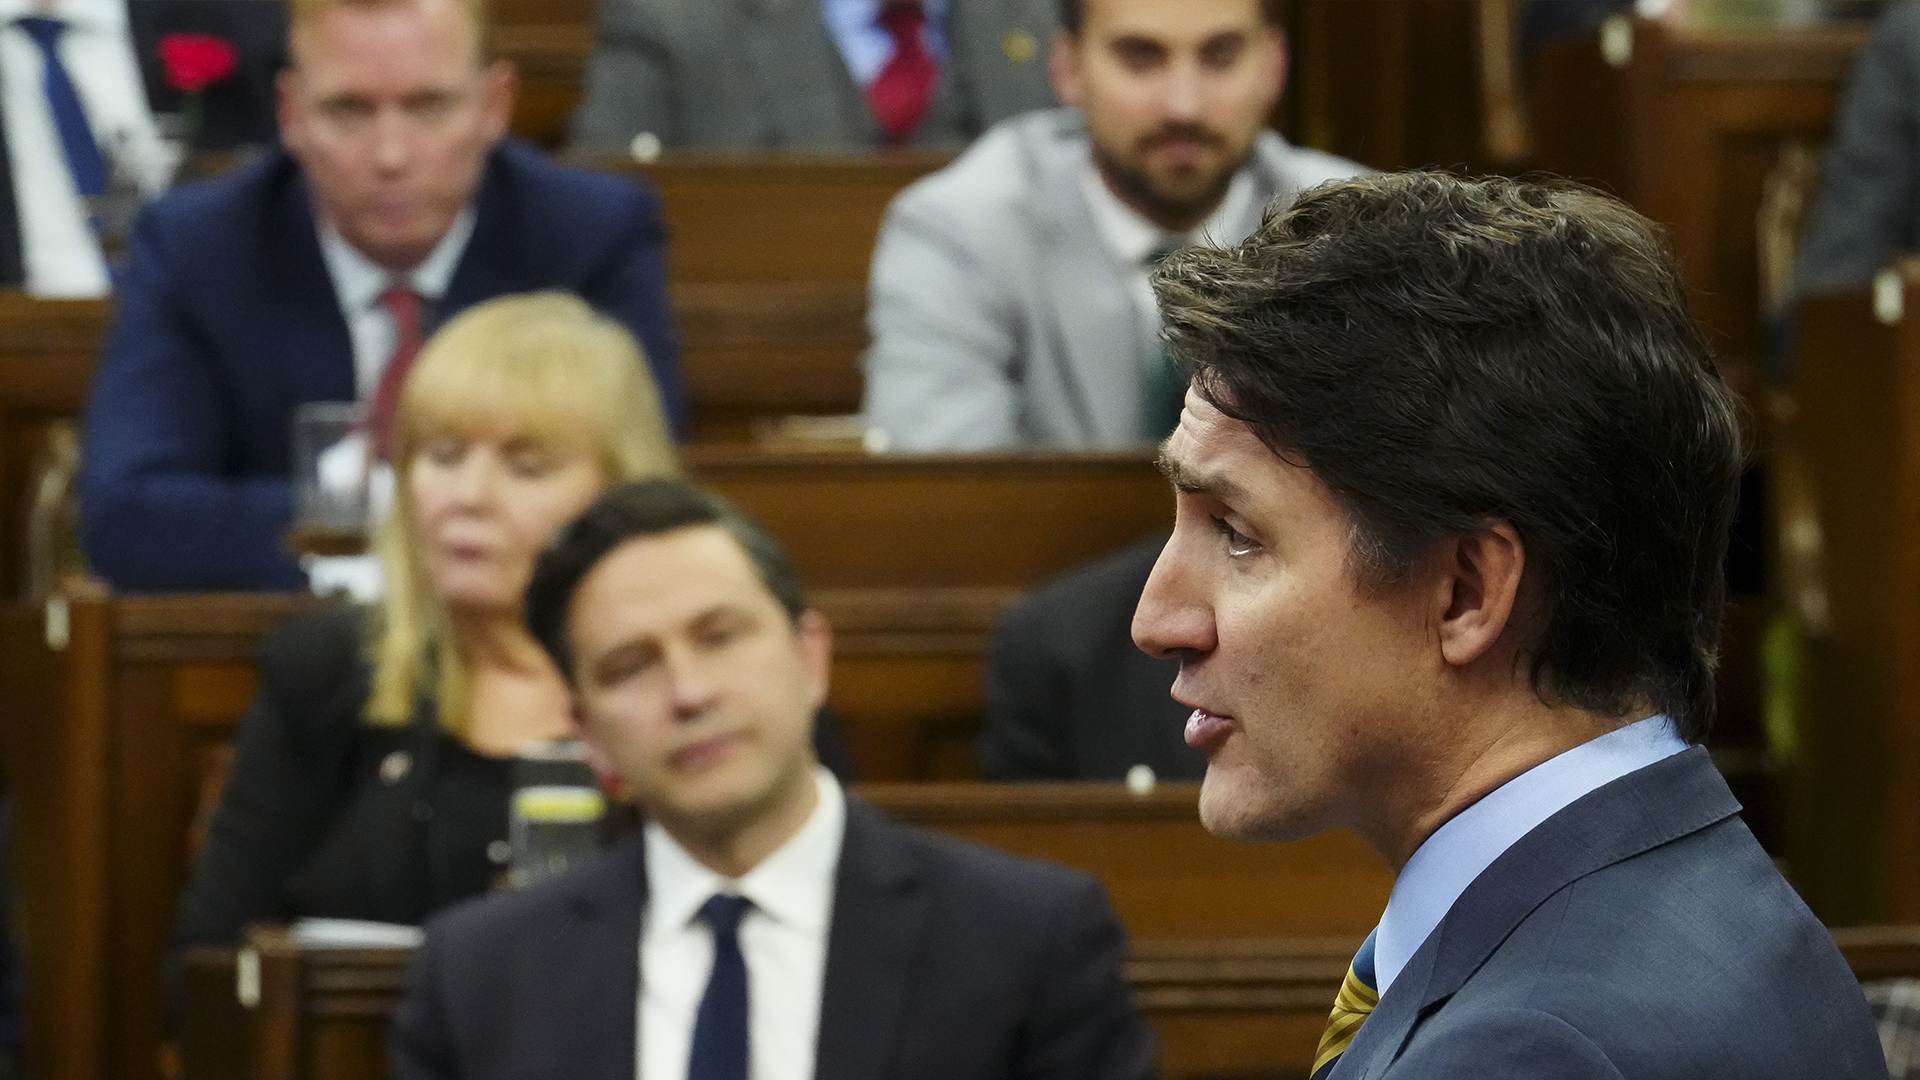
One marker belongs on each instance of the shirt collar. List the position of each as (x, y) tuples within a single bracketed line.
[(1469, 842), (793, 886), (360, 281), (1132, 238), (93, 16)]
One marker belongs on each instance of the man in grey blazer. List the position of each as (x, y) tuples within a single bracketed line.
[(1009, 304), (1453, 486), (798, 75)]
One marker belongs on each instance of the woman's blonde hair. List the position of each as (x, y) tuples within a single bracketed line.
[(544, 366)]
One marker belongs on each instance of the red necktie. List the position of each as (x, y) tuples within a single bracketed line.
[(902, 94), (404, 305)]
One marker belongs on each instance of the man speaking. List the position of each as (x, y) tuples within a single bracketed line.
[(1453, 482)]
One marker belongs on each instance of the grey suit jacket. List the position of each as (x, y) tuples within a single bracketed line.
[(1868, 210), (945, 961), (1639, 934), (998, 316), (760, 75)]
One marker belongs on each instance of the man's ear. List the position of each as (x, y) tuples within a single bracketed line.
[(501, 84), (1481, 586), (815, 636), (1063, 69), (286, 111), (597, 759)]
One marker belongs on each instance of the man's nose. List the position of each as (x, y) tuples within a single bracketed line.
[(392, 141), (692, 684), (1182, 92), (1173, 617)]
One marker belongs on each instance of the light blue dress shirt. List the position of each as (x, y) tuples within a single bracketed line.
[(865, 44), (1467, 844)]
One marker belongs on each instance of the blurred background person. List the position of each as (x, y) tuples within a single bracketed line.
[(314, 273), (1008, 304), (370, 776), (1866, 212), (822, 76), (82, 152), (1069, 696)]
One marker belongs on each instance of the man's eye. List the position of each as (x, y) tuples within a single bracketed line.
[(1236, 543)]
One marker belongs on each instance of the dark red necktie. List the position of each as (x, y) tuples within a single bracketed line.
[(904, 91), (404, 305)]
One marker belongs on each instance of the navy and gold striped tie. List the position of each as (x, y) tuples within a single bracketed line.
[(1351, 1007)]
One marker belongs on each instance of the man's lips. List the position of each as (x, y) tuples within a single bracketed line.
[(705, 752), (1206, 731)]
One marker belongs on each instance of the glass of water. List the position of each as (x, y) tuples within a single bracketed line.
[(554, 817)]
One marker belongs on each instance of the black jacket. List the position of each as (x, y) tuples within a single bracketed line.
[(945, 961), (1070, 696)]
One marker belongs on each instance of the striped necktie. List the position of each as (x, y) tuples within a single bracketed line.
[(1351, 1007)]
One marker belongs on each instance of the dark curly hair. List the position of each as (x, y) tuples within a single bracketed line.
[(1444, 352)]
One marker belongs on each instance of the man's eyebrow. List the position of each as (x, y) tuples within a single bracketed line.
[(1188, 482)]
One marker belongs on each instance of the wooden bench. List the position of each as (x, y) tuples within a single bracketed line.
[(1221, 1007)]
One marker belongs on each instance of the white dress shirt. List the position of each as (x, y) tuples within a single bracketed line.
[(60, 251), (358, 283), (1132, 239), (866, 46), (1471, 840), (783, 938)]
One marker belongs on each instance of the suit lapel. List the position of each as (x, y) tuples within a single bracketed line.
[(802, 80), (1096, 332), (1636, 813), (307, 332), (595, 965), (880, 909)]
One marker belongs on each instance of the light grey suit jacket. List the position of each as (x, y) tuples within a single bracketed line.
[(766, 75), (999, 317)]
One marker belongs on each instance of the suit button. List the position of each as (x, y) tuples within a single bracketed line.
[(395, 766), (499, 852)]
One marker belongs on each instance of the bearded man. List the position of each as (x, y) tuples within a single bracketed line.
[(1009, 300)]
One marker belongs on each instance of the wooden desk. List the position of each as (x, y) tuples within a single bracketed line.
[(1856, 835)]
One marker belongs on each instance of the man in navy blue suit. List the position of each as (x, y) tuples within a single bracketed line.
[(312, 273), (1453, 488)]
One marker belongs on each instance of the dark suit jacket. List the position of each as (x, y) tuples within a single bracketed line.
[(944, 961), (751, 75), (1868, 209), (1070, 696), (227, 320), (1640, 933), (311, 824)]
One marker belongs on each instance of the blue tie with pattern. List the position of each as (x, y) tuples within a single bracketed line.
[(89, 169), (720, 1028)]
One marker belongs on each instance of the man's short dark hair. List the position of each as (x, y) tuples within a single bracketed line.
[(629, 511), (1445, 353), (1073, 14)]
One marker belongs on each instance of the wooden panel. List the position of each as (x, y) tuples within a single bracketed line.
[(1856, 831), (776, 218), (990, 519), (548, 41), (1168, 877)]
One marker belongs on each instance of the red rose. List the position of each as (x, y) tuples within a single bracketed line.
[(196, 61)]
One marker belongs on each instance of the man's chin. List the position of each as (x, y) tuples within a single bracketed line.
[(1231, 812)]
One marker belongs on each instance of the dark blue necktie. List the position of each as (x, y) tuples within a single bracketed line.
[(89, 169), (720, 1029)]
